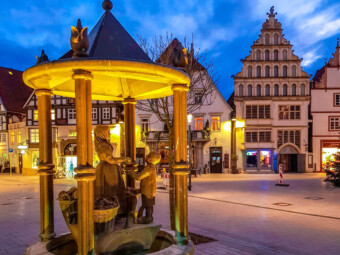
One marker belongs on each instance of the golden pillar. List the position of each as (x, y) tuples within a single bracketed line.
[(85, 172), (45, 165), (181, 167), (130, 148)]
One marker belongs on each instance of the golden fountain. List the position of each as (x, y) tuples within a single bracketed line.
[(106, 65)]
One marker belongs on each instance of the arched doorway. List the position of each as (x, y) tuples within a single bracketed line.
[(290, 158)]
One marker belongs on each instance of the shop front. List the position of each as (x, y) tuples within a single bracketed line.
[(258, 160), (329, 148)]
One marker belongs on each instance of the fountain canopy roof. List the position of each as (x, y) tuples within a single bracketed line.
[(120, 68)]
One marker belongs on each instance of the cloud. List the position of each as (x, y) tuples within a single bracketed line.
[(310, 57)]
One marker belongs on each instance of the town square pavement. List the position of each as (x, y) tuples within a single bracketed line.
[(245, 214)]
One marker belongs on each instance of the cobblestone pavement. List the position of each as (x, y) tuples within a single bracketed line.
[(236, 210)]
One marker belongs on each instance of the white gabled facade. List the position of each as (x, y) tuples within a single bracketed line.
[(210, 147), (272, 96), (325, 111)]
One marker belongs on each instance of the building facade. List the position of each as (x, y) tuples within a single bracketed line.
[(272, 96), (24, 136), (325, 108), (13, 95)]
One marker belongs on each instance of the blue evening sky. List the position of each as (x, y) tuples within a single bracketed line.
[(224, 28)]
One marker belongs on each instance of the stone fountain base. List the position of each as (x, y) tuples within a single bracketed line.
[(165, 243)]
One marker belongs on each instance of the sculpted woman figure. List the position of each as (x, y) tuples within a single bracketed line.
[(109, 181)]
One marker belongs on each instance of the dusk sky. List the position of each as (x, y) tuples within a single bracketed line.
[(226, 29)]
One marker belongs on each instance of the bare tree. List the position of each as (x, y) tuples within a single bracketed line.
[(169, 51)]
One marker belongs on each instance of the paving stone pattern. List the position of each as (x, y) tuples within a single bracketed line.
[(237, 211)]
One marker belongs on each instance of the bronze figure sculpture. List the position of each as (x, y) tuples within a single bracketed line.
[(147, 178), (109, 181)]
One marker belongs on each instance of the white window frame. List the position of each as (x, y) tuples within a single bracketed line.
[(106, 113), (34, 135), (94, 113)]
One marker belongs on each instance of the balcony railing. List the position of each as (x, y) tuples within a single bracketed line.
[(196, 135)]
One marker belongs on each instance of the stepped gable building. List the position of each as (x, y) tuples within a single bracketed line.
[(13, 95), (325, 111), (272, 95)]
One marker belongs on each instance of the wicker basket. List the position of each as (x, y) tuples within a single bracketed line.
[(102, 216)]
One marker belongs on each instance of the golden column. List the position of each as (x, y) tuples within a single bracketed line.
[(130, 148), (45, 165), (85, 172), (181, 167)]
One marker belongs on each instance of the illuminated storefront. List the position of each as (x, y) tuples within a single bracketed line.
[(328, 151), (258, 159)]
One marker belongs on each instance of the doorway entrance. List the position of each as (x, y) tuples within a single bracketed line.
[(291, 160), (215, 159)]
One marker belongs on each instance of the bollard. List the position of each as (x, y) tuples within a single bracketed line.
[(281, 178)]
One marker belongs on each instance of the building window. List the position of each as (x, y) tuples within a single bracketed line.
[(3, 138), (288, 136), (250, 72), (276, 90), (251, 137), (293, 90), (265, 159), (240, 90), (285, 90), (34, 135), (250, 90), (266, 55), (215, 123), (276, 71), (276, 39), (12, 137), (334, 123), (303, 92), (198, 98), (284, 55), (267, 72), (265, 136), (251, 159), (258, 90), (258, 55), (71, 113), (71, 101), (258, 112), (53, 114), (276, 55), (293, 71), (336, 99), (35, 115), (94, 113), (72, 133), (285, 71), (106, 113), (145, 124), (19, 137), (198, 123), (266, 39), (289, 112), (267, 90), (258, 71)]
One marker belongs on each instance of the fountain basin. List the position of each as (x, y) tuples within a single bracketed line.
[(165, 243)]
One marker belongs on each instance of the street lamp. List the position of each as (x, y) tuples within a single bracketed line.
[(233, 143), (190, 148)]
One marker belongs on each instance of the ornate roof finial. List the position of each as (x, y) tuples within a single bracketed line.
[(337, 42), (107, 5), (79, 40), (271, 12), (43, 57)]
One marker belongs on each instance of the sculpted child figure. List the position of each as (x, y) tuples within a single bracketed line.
[(109, 181), (147, 178)]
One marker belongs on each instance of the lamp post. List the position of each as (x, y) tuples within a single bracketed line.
[(233, 144), (190, 148)]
